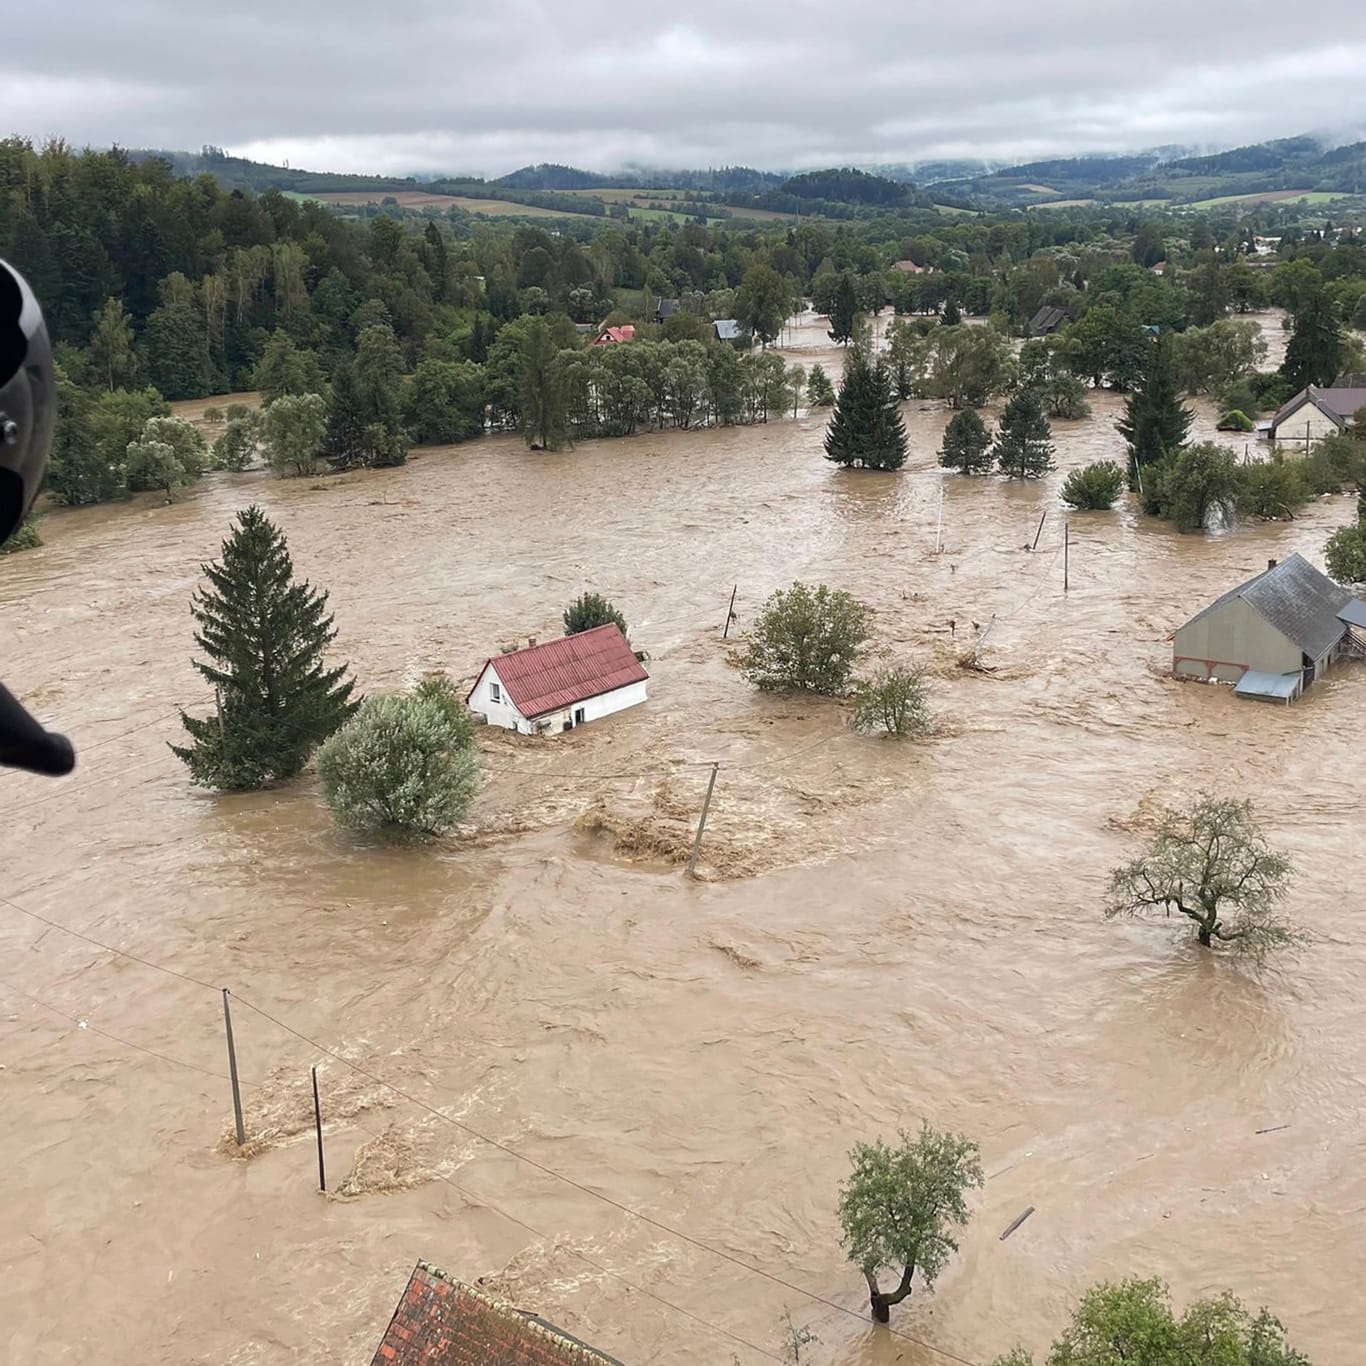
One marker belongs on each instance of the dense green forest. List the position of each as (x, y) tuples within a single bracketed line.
[(403, 327)]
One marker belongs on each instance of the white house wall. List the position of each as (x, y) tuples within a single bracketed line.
[(501, 713), (1302, 428)]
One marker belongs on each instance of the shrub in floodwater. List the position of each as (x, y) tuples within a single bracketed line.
[(1235, 420), (1272, 489), (25, 537), (1095, 487), (894, 700), (589, 611), (806, 640), (400, 768)]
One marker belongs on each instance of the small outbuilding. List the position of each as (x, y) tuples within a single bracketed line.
[(665, 309), (559, 685), (1271, 636), (441, 1321), (729, 330)]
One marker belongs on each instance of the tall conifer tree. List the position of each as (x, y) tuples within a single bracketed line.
[(1155, 422), (265, 636), (866, 429), (1024, 440)]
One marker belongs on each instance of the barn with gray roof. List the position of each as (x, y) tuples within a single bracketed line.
[(1273, 635)]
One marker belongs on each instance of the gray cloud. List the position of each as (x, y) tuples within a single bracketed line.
[(417, 85)]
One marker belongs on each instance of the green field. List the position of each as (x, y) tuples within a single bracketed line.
[(1268, 197)]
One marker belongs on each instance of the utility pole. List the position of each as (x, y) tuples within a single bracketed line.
[(232, 1072), (702, 821), (939, 530), (730, 612), (1066, 548), (1039, 530), (318, 1125)]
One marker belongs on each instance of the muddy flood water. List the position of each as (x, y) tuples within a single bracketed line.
[(881, 932)]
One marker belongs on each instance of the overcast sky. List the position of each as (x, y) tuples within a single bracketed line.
[(451, 85)]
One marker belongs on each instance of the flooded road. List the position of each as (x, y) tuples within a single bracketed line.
[(882, 932)]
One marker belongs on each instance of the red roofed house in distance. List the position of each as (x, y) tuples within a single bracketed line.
[(559, 685)]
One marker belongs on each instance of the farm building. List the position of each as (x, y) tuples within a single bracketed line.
[(561, 684), (611, 336), (728, 330), (910, 268), (1273, 635), (1315, 413), (442, 1322), (665, 309), (1048, 319)]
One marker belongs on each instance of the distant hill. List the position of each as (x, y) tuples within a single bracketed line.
[(1298, 163)]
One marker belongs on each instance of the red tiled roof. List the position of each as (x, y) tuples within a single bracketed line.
[(550, 677), (441, 1322), (616, 334)]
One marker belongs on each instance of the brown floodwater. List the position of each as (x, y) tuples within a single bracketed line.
[(882, 932)]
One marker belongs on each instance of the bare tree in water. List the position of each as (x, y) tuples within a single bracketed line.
[(1211, 864)]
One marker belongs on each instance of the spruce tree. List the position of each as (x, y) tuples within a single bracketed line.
[(1155, 422), (844, 310), (866, 429), (967, 444), (265, 636), (1314, 354), (1024, 440)]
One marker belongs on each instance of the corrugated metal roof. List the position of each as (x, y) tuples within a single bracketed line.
[(727, 329), (443, 1322), (556, 675), (1301, 603), (1256, 684)]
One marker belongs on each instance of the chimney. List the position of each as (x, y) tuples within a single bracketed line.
[(531, 640), (1270, 564)]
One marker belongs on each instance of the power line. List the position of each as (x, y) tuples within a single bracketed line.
[(108, 948), (586, 1190)]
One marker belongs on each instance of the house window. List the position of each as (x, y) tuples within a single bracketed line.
[(495, 693), (578, 716)]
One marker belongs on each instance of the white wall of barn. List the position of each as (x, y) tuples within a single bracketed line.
[(503, 712), (1302, 428)]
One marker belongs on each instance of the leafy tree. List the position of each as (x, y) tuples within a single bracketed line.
[(399, 768), (967, 366), (438, 689), (806, 640), (1191, 484), (285, 369), (1209, 292), (591, 610), (1064, 396), (1316, 349), (235, 448), (1345, 554), (1095, 487), (762, 302), (443, 401), (819, 391), (967, 444), (378, 377), (1132, 1322), (541, 408), (843, 310), (265, 636), (1108, 345), (1245, 286), (1155, 423), (901, 1206), (294, 429), (111, 355), (866, 430), (1272, 489), (154, 465), (1024, 441), (1212, 864), (895, 701), (1210, 359), (176, 342)]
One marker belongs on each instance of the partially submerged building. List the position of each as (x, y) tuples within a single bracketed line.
[(443, 1322), (1047, 320), (561, 684), (1314, 413), (1273, 635)]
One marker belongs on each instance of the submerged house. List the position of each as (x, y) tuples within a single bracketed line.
[(1273, 635), (443, 1322), (1047, 320), (729, 330), (561, 684), (1314, 413)]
